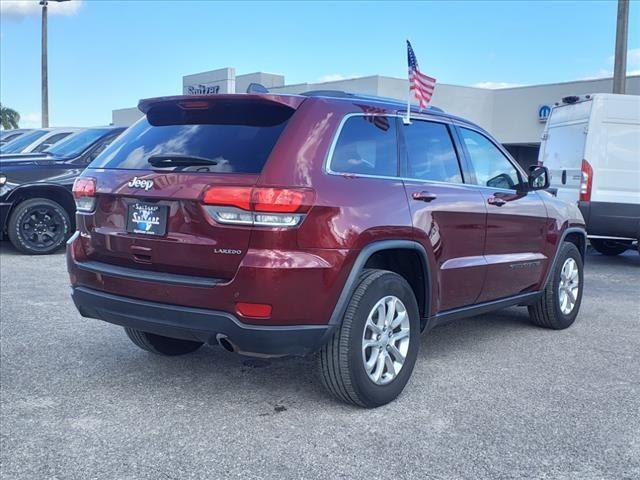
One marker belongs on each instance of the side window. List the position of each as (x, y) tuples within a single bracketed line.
[(367, 145), (52, 140), (430, 152), (100, 147), (492, 168)]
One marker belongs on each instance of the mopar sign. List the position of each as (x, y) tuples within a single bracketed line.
[(543, 112), (203, 89)]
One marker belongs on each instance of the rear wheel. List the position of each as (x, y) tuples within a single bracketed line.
[(38, 226), (610, 247), (161, 345), (369, 359), (560, 301)]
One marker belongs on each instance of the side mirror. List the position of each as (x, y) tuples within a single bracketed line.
[(539, 177)]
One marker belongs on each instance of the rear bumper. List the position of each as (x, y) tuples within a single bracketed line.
[(605, 219), (199, 324)]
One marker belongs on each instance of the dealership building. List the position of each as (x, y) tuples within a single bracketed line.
[(515, 116)]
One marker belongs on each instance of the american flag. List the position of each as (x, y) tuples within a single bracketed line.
[(422, 85)]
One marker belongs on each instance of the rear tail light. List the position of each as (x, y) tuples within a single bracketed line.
[(586, 182), (259, 206), (84, 193)]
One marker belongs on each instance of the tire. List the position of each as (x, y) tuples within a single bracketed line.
[(342, 360), (38, 226), (548, 311), (161, 345), (610, 247)]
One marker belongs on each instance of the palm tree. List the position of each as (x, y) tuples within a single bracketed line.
[(10, 117)]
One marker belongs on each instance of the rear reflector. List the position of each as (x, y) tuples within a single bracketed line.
[(255, 310), (84, 192), (586, 181)]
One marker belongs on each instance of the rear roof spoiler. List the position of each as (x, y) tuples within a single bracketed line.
[(291, 101)]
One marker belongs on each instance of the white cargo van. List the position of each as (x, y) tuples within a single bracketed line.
[(591, 146)]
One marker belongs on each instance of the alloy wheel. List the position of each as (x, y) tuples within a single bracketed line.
[(568, 286), (42, 227), (385, 340)]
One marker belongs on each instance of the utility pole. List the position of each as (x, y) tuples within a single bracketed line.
[(620, 66), (45, 74)]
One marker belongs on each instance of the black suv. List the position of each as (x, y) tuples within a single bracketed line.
[(37, 210)]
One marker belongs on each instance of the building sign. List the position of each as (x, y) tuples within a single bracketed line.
[(543, 113), (203, 89)]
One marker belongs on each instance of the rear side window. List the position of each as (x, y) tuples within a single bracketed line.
[(52, 140), (23, 141), (430, 152), (228, 137), (367, 145)]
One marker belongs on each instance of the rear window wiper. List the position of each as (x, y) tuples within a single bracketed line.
[(179, 161)]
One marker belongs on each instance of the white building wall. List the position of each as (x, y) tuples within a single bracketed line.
[(510, 114), (515, 110), (123, 117)]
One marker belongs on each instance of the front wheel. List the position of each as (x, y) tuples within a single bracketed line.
[(38, 226), (559, 304), (369, 359)]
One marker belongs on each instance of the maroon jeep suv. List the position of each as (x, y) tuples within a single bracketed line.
[(326, 222)]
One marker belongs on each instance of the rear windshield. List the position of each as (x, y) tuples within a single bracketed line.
[(564, 146), (22, 142), (235, 137), (77, 143)]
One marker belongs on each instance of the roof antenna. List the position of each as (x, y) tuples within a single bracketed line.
[(257, 88)]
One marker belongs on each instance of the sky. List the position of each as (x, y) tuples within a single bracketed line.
[(107, 54)]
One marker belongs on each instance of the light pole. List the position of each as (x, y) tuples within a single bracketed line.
[(44, 73), (45, 66), (620, 66)]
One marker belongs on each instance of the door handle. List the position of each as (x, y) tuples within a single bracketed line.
[(424, 196), (564, 177), (497, 201)]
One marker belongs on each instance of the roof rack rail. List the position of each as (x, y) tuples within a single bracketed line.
[(327, 93), (364, 96), (257, 88)]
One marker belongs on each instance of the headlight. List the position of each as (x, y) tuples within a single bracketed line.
[(3, 179)]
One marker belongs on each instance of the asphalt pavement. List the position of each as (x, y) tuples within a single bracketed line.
[(490, 397)]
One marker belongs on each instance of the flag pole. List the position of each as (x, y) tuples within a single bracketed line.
[(407, 118)]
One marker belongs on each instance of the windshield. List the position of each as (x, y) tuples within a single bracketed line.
[(77, 143), (22, 142), (227, 139)]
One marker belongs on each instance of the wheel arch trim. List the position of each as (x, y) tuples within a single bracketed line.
[(358, 266), (563, 236), (20, 190)]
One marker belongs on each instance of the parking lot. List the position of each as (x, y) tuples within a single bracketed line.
[(490, 397)]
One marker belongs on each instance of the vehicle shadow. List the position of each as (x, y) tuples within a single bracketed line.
[(215, 375), (6, 248), (628, 258)]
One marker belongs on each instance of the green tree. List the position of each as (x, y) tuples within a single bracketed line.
[(10, 118)]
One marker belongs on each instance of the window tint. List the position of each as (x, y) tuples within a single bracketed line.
[(237, 137), (367, 145), (430, 152), (492, 168), (8, 138), (52, 140), (78, 142), (22, 142)]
